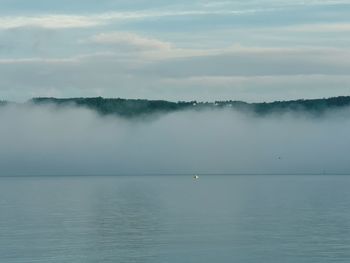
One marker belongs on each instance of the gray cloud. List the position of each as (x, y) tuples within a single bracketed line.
[(247, 74), (258, 62)]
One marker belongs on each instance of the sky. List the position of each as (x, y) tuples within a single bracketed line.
[(175, 50)]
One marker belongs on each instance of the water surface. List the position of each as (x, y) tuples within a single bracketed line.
[(175, 219)]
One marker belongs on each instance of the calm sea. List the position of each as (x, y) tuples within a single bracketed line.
[(175, 219)]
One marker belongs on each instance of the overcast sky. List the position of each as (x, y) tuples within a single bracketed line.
[(177, 50)]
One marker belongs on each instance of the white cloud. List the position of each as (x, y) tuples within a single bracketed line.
[(37, 60), (49, 21), (323, 27), (56, 21), (129, 40)]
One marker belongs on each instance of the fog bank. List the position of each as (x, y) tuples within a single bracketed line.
[(48, 140)]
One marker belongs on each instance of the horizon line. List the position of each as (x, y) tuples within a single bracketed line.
[(176, 174)]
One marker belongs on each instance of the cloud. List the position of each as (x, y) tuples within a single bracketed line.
[(257, 62), (46, 140), (242, 73), (320, 27), (49, 21), (36, 60), (130, 41), (63, 21)]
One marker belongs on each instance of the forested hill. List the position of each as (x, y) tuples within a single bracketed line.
[(139, 107)]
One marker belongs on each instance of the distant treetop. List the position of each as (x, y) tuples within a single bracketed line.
[(140, 107)]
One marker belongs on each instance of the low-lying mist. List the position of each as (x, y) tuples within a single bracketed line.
[(51, 140)]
